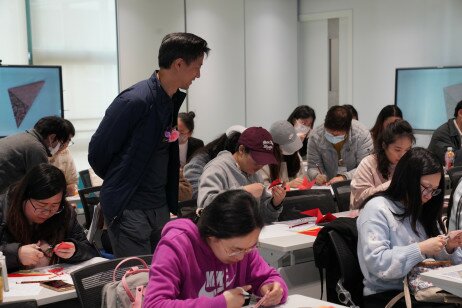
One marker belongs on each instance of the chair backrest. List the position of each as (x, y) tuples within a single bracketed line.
[(96, 223), (30, 303), (342, 192), (89, 198), (86, 179), (351, 277), (305, 200), (90, 280), (187, 208), (455, 173)]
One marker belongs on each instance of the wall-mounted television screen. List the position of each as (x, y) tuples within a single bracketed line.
[(427, 96), (28, 93)]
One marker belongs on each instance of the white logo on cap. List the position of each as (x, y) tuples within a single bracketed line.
[(268, 145)]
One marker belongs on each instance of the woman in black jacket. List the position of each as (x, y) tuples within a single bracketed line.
[(36, 219)]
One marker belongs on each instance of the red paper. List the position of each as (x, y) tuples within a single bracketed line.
[(274, 183), (319, 217), (312, 232), (63, 245), (306, 184)]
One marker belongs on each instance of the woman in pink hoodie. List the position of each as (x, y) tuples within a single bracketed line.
[(212, 263)]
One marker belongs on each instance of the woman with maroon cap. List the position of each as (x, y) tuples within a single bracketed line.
[(238, 171)]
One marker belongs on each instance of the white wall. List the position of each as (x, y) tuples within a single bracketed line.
[(218, 96), (13, 49), (391, 34), (271, 65)]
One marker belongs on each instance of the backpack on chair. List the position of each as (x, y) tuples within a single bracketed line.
[(129, 291)]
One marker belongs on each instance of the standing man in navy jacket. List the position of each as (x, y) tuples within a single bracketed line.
[(135, 148)]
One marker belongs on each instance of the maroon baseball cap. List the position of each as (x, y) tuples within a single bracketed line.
[(260, 143)]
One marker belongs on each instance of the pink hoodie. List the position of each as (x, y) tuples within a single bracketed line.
[(186, 273)]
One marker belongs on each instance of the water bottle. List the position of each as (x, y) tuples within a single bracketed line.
[(4, 270), (449, 158)]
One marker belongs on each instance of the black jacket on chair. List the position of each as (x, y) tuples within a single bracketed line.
[(83, 249), (193, 145)]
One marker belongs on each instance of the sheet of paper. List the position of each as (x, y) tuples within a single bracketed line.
[(18, 289)]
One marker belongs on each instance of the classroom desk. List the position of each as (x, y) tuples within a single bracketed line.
[(297, 301), (448, 279), (276, 241), (43, 295)]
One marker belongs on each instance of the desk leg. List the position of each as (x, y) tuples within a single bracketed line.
[(271, 256)]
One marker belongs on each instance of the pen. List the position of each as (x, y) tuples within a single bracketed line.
[(300, 224), (33, 281), (319, 169)]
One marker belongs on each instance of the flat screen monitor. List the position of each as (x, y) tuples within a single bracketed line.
[(28, 93), (427, 96)]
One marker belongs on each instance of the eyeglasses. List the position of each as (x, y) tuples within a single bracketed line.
[(238, 252), (428, 191), (42, 211)]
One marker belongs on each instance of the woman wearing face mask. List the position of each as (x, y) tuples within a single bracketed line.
[(375, 171), (212, 263), (36, 218), (187, 144), (64, 161), (302, 118), (336, 148)]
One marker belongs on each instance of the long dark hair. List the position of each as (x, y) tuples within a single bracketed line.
[(392, 132), (233, 213), (385, 113), (302, 112), (221, 143), (292, 161), (405, 188), (41, 182)]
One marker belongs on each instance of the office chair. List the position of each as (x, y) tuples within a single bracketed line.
[(349, 287), (90, 280), (89, 198), (342, 192), (85, 176), (306, 200)]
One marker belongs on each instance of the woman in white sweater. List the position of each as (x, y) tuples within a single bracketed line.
[(375, 171)]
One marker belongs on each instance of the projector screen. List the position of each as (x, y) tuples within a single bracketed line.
[(28, 93), (427, 96)]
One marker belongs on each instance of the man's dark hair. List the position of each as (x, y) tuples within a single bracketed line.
[(233, 213), (458, 107), (186, 46), (53, 125), (338, 118), (69, 128)]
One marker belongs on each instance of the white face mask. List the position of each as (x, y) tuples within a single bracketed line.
[(334, 139), (302, 129), (54, 150)]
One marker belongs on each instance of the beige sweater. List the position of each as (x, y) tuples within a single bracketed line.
[(367, 180)]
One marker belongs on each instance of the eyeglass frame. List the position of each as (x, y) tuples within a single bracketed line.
[(48, 212), (241, 251), (433, 193)]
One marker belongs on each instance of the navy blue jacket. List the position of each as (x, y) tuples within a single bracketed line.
[(125, 141)]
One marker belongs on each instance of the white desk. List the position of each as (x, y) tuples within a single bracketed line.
[(276, 241), (297, 301), (448, 279), (44, 296)]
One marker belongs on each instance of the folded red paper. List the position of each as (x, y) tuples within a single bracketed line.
[(319, 217), (274, 183), (306, 184), (312, 232)]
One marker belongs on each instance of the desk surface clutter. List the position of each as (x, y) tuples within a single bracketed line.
[(22, 291)]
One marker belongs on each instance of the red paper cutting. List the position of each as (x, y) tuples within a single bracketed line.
[(306, 184), (319, 217)]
